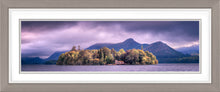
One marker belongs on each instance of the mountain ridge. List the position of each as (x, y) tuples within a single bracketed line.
[(192, 50), (127, 44), (162, 50), (159, 49)]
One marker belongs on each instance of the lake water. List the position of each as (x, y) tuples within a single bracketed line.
[(158, 67)]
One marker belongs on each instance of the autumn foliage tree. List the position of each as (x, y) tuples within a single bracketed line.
[(105, 56)]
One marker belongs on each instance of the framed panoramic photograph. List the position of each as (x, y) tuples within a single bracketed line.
[(96, 48), (107, 45), (107, 42)]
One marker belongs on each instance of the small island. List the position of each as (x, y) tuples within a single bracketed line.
[(106, 56)]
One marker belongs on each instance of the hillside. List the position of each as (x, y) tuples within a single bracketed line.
[(55, 55), (162, 50), (32, 60), (126, 45), (192, 50)]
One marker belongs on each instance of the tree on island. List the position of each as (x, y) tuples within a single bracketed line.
[(78, 47), (73, 48), (104, 56)]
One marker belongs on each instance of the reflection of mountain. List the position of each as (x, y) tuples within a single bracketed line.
[(163, 52), (192, 50)]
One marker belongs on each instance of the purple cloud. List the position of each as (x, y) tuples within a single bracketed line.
[(42, 38)]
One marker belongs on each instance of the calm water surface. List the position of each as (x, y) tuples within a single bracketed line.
[(158, 67)]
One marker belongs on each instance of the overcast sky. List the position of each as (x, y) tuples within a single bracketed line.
[(42, 38)]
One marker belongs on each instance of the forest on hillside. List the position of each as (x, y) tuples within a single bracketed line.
[(106, 56)]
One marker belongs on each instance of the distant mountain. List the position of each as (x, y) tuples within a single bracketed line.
[(32, 60), (36, 60), (126, 45), (159, 49), (192, 50), (162, 50), (55, 55)]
